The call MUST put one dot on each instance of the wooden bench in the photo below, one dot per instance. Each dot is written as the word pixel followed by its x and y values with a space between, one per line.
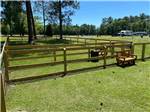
pixel 125 58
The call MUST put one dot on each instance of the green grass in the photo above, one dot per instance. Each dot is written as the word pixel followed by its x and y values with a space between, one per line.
pixel 113 89
pixel 109 90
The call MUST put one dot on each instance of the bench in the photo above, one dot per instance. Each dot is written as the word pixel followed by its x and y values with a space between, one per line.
pixel 125 58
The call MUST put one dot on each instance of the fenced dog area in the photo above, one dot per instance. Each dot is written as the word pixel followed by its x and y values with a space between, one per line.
pixel 26 63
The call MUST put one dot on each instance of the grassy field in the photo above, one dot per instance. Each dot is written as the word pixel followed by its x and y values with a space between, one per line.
pixel 109 90
pixel 113 89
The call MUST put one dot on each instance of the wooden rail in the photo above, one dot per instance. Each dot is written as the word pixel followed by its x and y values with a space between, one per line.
pixel 3 77
pixel 65 54
pixel 95 39
pixel 64 49
pixel 143 45
pixel 8 51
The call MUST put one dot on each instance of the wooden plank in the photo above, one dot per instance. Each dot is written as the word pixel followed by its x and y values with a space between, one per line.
pixel 143 51
pixel 141 43
pixel 85 42
pixel 36 77
pixel 6 64
pixel 95 42
pixel 87 59
pixel 104 64
pixel 2 102
pixel 65 62
pixel 36 57
pixel 4 80
pixel 34 65
pixel 54 54
pixel 47 46
pixel 97 47
pixel 54 74
pixel 103 39
pixel 77 40
pixel 132 48
pixel 112 50
pixel 28 58
pixel 51 46
pixel 89 52
pixel 147 57
pixel 53 63
pixel 31 51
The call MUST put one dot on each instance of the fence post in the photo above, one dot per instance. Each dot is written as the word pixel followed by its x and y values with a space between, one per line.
pixel 65 62
pixel 132 48
pixel 54 53
pixel 3 106
pixel 85 41
pixel 95 42
pixel 6 64
pixel 7 41
pixel 143 52
pixel 77 40
pixel 104 57
pixel 88 54
pixel 122 47
pixel 112 49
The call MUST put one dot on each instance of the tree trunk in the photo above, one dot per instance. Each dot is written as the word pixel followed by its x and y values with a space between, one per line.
pixel 34 31
pixel 10 27
pixel 43 17
pixel 60 21
pixel 33 25
pixel 29 21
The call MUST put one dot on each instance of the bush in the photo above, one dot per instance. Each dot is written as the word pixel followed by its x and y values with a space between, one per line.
pixel 48 31
pixel 4 29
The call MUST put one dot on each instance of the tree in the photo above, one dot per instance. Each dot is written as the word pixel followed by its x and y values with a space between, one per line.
pixel 42 7
pixel 61 11
pixel 10 14
pixel 135 23
pixel 30 22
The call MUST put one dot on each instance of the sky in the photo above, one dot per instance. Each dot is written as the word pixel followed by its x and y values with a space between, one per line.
pixel 92 12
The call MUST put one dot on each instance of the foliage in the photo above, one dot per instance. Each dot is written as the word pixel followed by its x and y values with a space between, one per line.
pixel 11 15
pixel 60 11
pixel 48 31
pixel 42 7
pixel 38 25
pixel 14 19
pixel 5 29
pixel 86 29
pixel 112 26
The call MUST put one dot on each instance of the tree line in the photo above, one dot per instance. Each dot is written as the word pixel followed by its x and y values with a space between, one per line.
pixel 112 26
pixel 109 26
pixel 54 18
pixel 84 29
pixel 17 16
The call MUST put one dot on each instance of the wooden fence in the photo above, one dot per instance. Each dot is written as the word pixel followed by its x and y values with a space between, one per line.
pixel 12 50
pixel 92 40
pixel 107 47
pixel 145 46
pixel 3 77
pixel 26 49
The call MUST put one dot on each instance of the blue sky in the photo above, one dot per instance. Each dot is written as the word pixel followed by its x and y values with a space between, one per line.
pixel 92 12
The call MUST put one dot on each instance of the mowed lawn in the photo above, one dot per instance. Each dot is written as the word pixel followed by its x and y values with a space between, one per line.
pixel 113 89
